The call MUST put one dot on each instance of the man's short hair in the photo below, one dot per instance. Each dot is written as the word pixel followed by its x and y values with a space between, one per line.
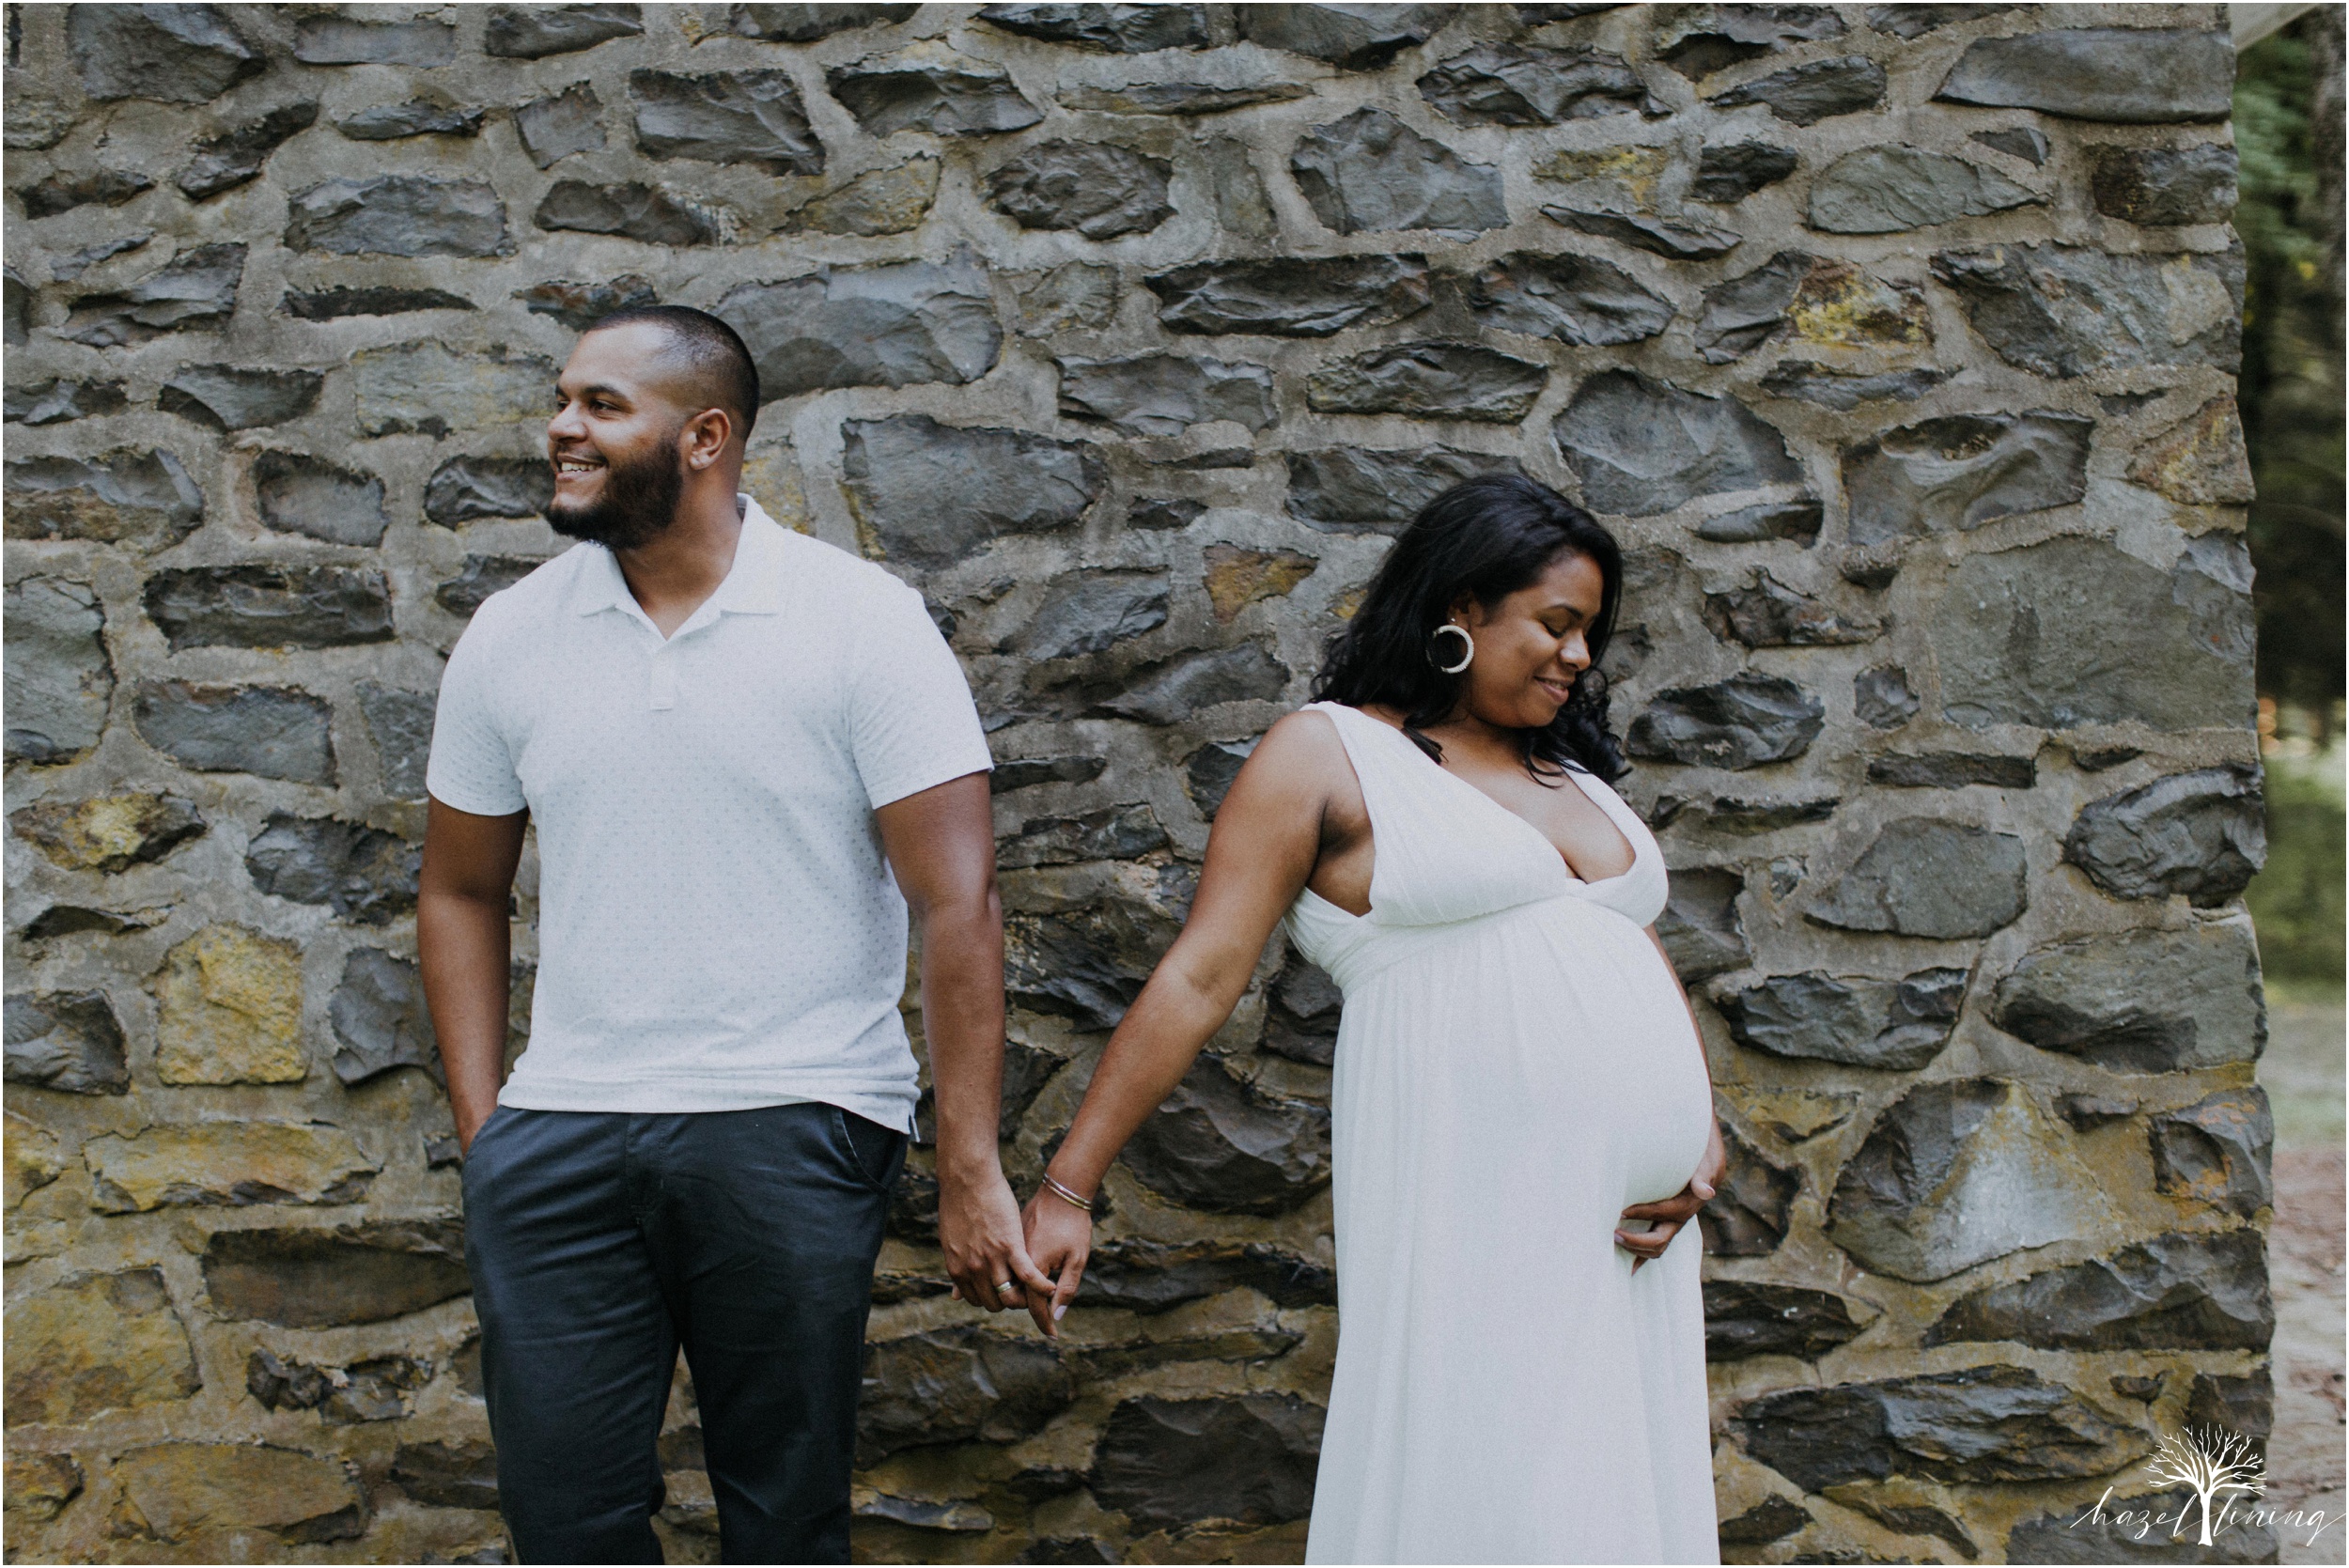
pixel 721 367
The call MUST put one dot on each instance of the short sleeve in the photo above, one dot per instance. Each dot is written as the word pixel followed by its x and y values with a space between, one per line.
pixel 473 765
pixel 911 724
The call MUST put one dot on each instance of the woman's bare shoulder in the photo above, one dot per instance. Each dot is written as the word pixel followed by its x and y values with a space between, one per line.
pixel 1301 756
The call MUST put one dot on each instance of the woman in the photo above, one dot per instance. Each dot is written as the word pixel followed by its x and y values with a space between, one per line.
pixel 1522 1117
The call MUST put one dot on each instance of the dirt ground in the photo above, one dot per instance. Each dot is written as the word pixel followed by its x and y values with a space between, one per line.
pixel 2307 1460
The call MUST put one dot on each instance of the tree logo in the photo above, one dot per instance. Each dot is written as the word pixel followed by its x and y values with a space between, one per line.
pixel 2206 1470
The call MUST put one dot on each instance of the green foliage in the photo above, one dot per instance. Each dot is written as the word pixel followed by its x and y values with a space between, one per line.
pixel 2296 901
pixel 2292 389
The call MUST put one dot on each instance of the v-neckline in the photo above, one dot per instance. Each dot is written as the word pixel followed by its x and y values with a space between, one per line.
pixel 1546 842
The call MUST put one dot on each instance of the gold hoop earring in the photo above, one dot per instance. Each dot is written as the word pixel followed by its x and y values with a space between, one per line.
pixel 1467 647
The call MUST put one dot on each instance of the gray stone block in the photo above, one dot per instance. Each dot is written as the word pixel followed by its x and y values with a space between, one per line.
pixel 1767 613
pixel 1107 29
pixel 1744 722
pixel 304 495
pixel 196 291
pixel 1291 297
pixel 1750 1208
pixel 234 156
pixel 418 117
pixel 379 1019
pixel 1638 445
pixel 1895 1026
pixel 2141 1002
pixel 631 209
pixel 229 399
pixel 1177 689
pixel 2111 639
pixel 554 127
pixel 2165 187
pixel 2131 75
pixel 462 489
pixel 1664 236
pixel 1955 1173
pixel 271 732
pixel 68 1042
pixel 400 215
pixel 362 874
pixel 1744 1318
pixel 1371 171
pixel 1962 471
pixel 1926 877
pixel 1223 1146
pixel 1250 1458
pixel 956 1383
pixel 1352 37
pixel 2183 1291
pixel 262 606
pixel 1164 394
pixel 1974 1425
pixel 400 725
pixel 806 24
pixel 1699 926
pixel 311 1278
pixel 1578 300
pixel 59 678
pixel 58 402
pixel 1430 380
pixel 170 54
pixel 1735 172
pixel 1099 190
pixel 2064 310
pixel 333 304
pixel 534 32
pixel 1697 40
pixel 891 325
pixel 1089 611
pixel 736 117
pixel 947 95
pixel 1816 383
pixel 1812 91
pixel 1891 189
pixel 144 498
pixel 581 305
pixel 1507 84
pixel 482 576
pixel 65 191
pixel 928 493
pixel 2217 1151
pixel 2203 834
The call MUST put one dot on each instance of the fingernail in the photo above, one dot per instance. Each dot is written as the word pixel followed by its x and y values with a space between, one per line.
pixel 1702 1191
pixel 1060 1311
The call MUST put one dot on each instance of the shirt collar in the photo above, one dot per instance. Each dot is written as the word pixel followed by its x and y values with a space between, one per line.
pixel 752 586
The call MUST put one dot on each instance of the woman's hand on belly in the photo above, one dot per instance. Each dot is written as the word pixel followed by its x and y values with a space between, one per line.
pixel 1669 1214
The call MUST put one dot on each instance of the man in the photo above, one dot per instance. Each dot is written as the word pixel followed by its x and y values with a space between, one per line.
pixel 747 754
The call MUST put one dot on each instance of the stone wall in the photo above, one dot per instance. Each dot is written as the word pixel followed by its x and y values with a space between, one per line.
pixel 1896 341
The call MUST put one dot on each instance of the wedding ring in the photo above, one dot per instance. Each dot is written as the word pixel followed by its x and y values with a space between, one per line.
pixel 1007 1288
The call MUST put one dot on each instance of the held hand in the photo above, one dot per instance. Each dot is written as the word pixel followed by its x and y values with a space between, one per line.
pixel 1059 1238
pixel 978 1228
pixel 1671 1214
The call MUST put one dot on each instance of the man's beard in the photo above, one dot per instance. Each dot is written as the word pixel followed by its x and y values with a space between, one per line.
pixel 638 504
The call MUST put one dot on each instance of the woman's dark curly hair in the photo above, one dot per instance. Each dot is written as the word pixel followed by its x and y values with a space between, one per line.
pixel 1488 538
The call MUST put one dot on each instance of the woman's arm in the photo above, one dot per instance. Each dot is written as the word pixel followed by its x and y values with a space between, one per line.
pixel 1267 840
pixel 1671 1214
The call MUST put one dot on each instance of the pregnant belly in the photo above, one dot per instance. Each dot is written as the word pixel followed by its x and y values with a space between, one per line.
pixel 1547 1045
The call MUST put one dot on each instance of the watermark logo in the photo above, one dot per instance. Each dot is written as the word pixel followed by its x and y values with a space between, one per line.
pixel 2215 1471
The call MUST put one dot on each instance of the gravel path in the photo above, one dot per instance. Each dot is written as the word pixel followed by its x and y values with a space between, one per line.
pixel 2308 1464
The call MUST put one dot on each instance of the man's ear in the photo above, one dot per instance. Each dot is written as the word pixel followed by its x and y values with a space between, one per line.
pixel 705 437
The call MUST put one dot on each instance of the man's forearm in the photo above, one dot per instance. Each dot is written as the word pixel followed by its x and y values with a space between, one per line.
pixel 465 951
pixel 962 1013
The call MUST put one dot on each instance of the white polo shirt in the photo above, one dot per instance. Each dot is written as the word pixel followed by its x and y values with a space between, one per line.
pixel 717 926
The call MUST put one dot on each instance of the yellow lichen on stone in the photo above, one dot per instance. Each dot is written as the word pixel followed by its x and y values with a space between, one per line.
pixel 105 1341
pixel 1238 578
pixel 39 1485
pixel 879 201
pixel 770 477
pixel 2199 462
pixel 32 1159
pixel 1839 306
pixel 1634 169
pixel 226 1163
pixel 108 833
pixel 230 1010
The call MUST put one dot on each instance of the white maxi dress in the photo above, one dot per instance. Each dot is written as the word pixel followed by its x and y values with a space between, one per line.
pixel 1513 1067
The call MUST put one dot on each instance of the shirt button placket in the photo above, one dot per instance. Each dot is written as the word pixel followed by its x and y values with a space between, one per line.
pixel 663 686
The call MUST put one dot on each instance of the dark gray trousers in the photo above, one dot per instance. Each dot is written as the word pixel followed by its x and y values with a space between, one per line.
pixel 600 1243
